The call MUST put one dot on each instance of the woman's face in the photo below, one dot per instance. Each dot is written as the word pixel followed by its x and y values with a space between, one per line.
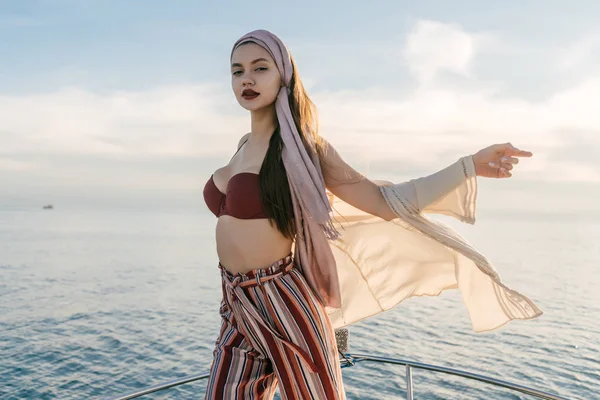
pixel 254 71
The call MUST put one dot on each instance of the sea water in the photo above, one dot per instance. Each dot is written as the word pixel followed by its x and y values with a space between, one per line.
pixel 98 302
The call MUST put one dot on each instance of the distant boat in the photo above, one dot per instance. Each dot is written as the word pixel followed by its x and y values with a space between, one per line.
pixel 48 207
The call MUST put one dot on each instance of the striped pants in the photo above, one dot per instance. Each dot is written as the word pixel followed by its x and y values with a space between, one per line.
pixel 273 330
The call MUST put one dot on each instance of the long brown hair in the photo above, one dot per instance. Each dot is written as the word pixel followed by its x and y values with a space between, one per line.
pixel 274 186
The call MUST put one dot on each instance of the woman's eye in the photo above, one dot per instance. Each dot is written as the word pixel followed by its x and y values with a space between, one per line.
pixel 257 69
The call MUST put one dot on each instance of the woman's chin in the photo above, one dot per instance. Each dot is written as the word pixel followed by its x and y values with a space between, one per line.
pixel 252 106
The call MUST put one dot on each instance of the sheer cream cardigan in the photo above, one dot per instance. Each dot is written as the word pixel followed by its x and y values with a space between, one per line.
pixel 380 263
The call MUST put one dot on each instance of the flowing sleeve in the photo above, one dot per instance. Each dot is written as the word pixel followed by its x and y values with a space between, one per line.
pixel 450 191
pixel 381 262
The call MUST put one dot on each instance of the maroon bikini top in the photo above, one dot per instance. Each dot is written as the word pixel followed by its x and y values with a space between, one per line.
pixel 241 198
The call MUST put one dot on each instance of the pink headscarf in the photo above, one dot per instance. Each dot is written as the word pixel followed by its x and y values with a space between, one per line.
pixel 312 210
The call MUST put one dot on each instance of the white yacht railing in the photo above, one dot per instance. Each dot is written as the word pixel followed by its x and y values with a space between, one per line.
pixel 349 360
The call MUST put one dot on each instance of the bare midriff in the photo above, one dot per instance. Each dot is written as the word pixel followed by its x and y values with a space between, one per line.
pixel 247 244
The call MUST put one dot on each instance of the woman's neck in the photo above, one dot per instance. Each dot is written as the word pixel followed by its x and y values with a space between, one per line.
pixel 264 122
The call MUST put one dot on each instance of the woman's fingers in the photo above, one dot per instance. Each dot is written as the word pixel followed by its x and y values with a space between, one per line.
pixel 505 163
pixel 515 151
pixel 504 157
pixel 511 160
pixel 504 172
pixel 523 153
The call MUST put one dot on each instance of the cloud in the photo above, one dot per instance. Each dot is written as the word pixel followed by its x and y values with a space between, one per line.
pixel 172 120
pixel 433 47
pixel 7 164
pixel 432 124
pixel 579 52
pixel 433 120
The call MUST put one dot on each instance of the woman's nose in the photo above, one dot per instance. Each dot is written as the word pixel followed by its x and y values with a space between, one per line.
pixel 247 81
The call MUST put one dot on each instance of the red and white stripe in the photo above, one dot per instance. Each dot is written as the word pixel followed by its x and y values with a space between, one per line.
pixel 273 331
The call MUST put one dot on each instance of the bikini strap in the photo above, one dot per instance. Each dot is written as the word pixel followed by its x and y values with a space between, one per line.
pixel 238 149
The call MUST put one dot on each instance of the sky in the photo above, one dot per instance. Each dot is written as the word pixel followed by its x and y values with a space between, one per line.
pixel 123 103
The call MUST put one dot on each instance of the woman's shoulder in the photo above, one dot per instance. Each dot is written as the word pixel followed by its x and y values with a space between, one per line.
pixel 243 139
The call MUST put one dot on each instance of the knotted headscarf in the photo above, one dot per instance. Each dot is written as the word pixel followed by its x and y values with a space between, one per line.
pixel 312 210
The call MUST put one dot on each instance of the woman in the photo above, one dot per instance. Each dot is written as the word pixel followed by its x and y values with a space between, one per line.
pixel 279 307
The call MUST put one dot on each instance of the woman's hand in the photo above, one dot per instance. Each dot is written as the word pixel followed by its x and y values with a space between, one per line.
pixel 497 161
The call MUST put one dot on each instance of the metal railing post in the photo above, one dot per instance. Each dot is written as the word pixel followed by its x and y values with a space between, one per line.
pixel 409 383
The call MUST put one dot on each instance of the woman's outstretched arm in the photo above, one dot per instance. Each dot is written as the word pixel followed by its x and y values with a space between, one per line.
pixel 351 186
pixel 431 193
